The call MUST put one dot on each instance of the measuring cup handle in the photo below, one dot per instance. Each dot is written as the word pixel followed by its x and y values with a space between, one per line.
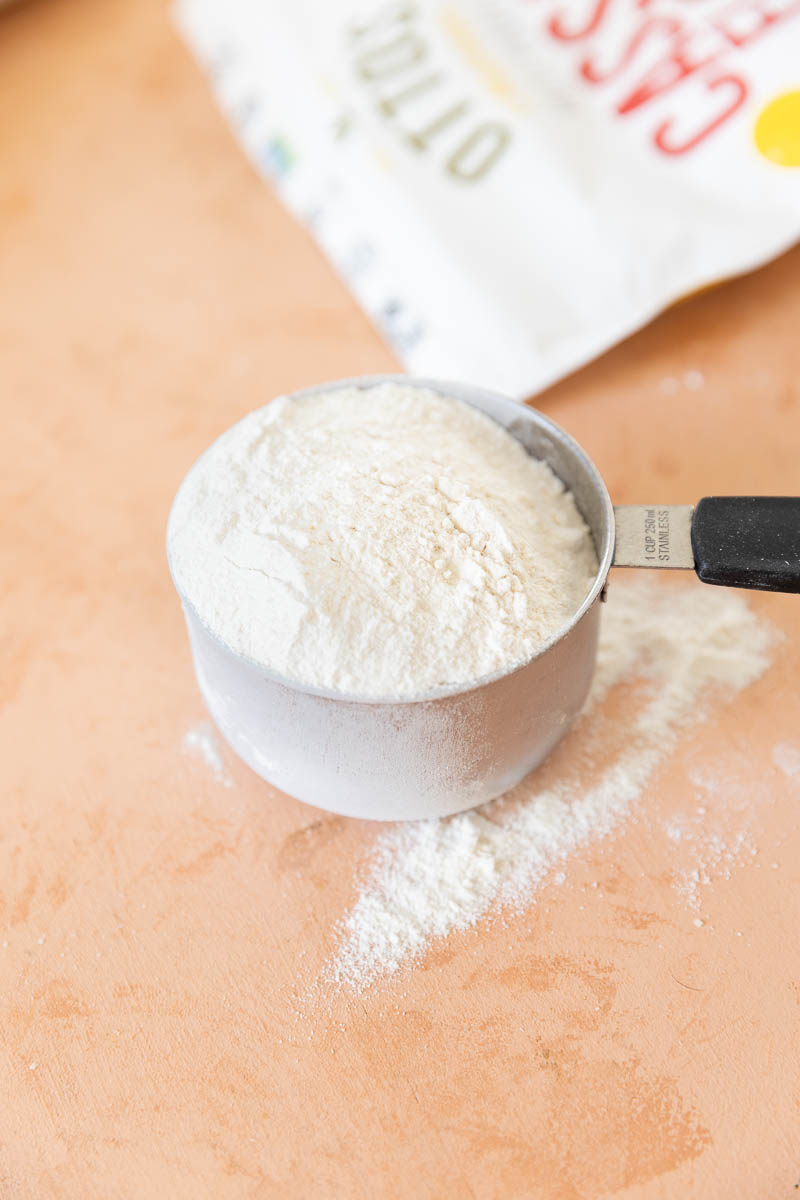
pixel 748 542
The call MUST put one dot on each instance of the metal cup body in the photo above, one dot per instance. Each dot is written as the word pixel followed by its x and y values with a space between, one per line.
pixel 443 752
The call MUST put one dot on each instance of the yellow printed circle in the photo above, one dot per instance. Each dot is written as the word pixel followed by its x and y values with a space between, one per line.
pixel 777 130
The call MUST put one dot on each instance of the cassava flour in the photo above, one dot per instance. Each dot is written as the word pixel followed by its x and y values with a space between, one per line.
pixel 683 645
pixel 381 541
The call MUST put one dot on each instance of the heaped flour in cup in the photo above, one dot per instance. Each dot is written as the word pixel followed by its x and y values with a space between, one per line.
pixel 382 541
pixel 511 186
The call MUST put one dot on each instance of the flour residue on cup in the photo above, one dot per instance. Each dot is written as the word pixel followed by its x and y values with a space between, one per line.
pixel 381 541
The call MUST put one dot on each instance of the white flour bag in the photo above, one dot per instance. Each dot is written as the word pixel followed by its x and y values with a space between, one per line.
pixel 511 186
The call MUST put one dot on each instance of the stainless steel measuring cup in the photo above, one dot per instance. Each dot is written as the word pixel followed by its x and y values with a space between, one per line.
pixel 456 747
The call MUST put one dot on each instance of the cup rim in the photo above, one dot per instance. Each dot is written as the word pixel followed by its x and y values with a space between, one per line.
pixel 466 393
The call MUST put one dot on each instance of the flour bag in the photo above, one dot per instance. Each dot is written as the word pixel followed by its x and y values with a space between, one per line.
pixel 511 186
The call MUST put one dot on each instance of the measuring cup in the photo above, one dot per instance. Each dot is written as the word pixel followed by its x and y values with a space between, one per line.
pixel 456 747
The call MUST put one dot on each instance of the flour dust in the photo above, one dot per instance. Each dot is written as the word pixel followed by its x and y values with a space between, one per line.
pixel 666 651
pixel 201 742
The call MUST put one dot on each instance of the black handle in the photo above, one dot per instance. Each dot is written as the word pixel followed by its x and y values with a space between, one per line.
pixel 748 542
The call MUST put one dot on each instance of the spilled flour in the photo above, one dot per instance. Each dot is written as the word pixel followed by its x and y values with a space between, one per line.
pixel 716 836
pixel 712 856
pixel 666 651
pixel 786 757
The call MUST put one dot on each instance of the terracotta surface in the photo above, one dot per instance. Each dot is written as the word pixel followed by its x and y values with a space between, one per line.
pixel 160 929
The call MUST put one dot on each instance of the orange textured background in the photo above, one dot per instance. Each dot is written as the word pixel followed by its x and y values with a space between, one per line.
pixel 159 930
